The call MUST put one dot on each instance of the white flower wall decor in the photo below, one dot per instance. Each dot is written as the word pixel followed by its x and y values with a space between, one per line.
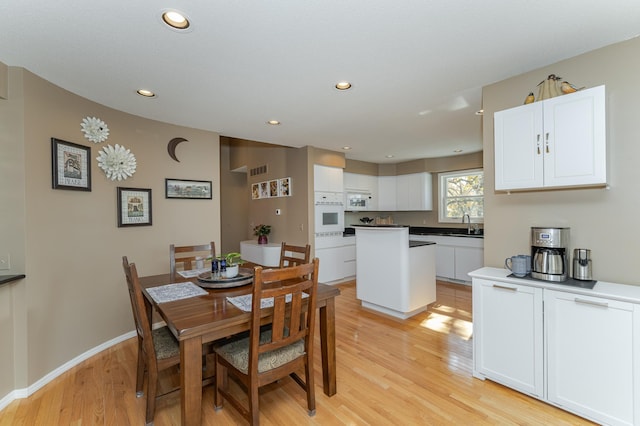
pixel 117 162
pixel 94 129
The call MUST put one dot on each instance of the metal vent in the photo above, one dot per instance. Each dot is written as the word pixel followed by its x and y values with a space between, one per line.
pixel 260 170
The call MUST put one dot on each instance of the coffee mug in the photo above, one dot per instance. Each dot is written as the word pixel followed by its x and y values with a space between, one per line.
pixel 527 259
pixel 517 265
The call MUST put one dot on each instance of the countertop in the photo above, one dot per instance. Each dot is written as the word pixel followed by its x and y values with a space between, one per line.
pixel 413 244
pixel 350 231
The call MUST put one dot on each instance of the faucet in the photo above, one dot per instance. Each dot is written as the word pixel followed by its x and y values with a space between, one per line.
pixel 468 222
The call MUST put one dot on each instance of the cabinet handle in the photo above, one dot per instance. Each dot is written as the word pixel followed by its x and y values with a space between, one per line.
pixel 502 287
pixel 538 142
pixel 546 141
pixel 589 302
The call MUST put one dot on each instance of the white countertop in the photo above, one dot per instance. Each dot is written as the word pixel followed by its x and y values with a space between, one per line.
pixel 622 292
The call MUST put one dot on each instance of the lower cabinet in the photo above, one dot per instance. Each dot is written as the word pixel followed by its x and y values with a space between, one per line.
pixel 590 355
pixel 338 261
pixel 576 351
pixel 455 256
pixel 507 321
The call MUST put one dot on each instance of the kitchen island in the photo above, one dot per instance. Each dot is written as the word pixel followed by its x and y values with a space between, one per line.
pixel 394 275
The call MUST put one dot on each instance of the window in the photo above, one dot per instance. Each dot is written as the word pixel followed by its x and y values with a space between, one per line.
pixel 461 193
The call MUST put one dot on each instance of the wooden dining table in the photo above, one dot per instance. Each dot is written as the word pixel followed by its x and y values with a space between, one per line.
pixel 201 319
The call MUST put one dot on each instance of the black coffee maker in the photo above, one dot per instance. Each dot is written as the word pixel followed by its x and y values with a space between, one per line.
pixel 549 247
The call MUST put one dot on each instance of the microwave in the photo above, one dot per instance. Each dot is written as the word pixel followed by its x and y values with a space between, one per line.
pixel 356 201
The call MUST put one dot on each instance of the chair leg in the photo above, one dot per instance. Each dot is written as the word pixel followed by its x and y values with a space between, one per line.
pixel 254 409
pixel 221 384
pixel 310 388
pixel 140 371
pixel 152 389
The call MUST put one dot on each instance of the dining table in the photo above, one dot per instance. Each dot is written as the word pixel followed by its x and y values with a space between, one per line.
pixel 197 320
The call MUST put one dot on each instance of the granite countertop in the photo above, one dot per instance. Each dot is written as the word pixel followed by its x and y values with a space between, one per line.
pixel 413 244
pixel 447 232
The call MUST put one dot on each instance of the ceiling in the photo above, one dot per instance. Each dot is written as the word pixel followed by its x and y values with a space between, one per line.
pixel 417 66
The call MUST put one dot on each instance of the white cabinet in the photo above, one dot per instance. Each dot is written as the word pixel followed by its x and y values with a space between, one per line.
pixel 349 257
pixel 386 193
pixel 590 341
pixel 558 142
pixel 578 349
pixel 327 179
pixel 337 258
pixel 456 256
pixel 508 334
pixel 411 192
pixel 362 184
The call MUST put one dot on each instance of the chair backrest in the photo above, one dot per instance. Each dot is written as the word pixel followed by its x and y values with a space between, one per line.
pixel 183 258
pixel 293 315
pixel 294 255
pixel 141 313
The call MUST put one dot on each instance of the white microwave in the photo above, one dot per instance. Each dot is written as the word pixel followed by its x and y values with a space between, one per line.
pixel 356 201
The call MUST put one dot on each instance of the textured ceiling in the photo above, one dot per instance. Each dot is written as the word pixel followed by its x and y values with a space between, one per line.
pixel 417 67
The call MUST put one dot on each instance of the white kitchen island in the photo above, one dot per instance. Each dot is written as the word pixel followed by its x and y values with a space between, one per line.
pixel 394 276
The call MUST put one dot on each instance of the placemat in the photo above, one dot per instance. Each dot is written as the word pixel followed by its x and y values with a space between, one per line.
pixel 244 302
pixel 191 273
pixel 177 291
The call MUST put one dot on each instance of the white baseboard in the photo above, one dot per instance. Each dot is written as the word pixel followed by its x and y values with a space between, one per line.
pixel 26 392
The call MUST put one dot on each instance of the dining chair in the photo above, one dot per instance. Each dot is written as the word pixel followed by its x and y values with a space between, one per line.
pixel 184 257
pixel 158 349
pixel 272 353
pixel 291 255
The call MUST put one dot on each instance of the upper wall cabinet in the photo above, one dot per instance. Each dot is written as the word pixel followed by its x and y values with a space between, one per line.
pixel 558 142
pixel 410 192
pixel 327 179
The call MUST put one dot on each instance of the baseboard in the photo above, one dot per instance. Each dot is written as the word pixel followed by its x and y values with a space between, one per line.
pixel 26 392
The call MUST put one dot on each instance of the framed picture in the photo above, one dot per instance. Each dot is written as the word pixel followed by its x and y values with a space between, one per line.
pixel 70 165
pixel 255 191
pixel 273 188
pixel 191 189
pixel 264 189
pixel 134 207
pixel 284 187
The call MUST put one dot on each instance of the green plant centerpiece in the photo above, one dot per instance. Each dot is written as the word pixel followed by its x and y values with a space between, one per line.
pixel 262 231
pixel 233 261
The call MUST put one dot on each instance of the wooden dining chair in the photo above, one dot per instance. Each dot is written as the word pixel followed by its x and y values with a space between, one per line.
pixel 184 257
pixel 279 350
pixel 158 349
pixel 291 255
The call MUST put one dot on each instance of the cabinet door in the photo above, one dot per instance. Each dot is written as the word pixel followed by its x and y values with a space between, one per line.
pixel 329 179
pixel 507 328
pixel 413 192
pixel 518 147
pixel 445 261
pixel 575 139
pixel 387 193
pixel 331 264
pixel 468 259
pixel 590 356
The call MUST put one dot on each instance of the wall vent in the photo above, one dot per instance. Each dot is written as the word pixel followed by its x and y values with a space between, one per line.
pixel 260 170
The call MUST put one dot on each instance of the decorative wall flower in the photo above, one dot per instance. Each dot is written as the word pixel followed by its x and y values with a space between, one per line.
pixel 95 129
pixel 117 163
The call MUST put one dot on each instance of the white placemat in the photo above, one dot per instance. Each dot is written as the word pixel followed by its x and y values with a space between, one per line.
pixel 192 273
pixel 177 291
pixel 244 302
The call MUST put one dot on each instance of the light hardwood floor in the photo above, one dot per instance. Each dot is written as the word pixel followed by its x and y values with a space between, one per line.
pixel 390 372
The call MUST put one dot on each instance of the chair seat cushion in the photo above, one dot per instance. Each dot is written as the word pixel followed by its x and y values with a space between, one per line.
pixel 165 344
pixel 237 353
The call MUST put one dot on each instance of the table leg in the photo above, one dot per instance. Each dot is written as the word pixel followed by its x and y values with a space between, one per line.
pixel 328 347
pixel 191 380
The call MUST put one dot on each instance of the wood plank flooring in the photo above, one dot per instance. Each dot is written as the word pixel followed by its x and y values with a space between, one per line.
pixel 390 372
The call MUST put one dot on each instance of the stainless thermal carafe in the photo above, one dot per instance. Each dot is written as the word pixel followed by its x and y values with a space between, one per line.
pixel 582 264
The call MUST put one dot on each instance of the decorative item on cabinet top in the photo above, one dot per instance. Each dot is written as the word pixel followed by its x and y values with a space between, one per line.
pixel 551 87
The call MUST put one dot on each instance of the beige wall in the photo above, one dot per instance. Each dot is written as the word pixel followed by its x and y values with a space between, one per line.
pixel 67 242
pixel 603 220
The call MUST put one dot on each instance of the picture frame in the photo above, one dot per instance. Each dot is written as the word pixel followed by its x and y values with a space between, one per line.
pixel 284 187
pixel 188 189
pixel 134 207
pixel 70 166
pixel 273 188
pixel 255 191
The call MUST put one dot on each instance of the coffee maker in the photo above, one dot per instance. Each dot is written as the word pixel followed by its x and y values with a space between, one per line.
pixel 549 247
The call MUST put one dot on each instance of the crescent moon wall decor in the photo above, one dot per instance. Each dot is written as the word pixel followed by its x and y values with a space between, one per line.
pixel 171 147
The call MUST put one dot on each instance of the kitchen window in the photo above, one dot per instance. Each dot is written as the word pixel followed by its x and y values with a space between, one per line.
pixel 461 193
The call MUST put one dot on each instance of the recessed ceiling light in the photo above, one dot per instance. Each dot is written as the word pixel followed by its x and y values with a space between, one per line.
pixel 343 85
pixel 146 93
pixel 273 122
pixel 480 112
pixel 457 150
pixel 346 148
pixel 389 156
pixel 176 20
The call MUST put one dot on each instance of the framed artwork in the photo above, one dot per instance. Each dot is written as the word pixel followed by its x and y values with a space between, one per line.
pixel 70 165
pixel 264 189
pixel 134 207
pixel 255 191
pixel 284 187
pixel 273 188
pixel 190 189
